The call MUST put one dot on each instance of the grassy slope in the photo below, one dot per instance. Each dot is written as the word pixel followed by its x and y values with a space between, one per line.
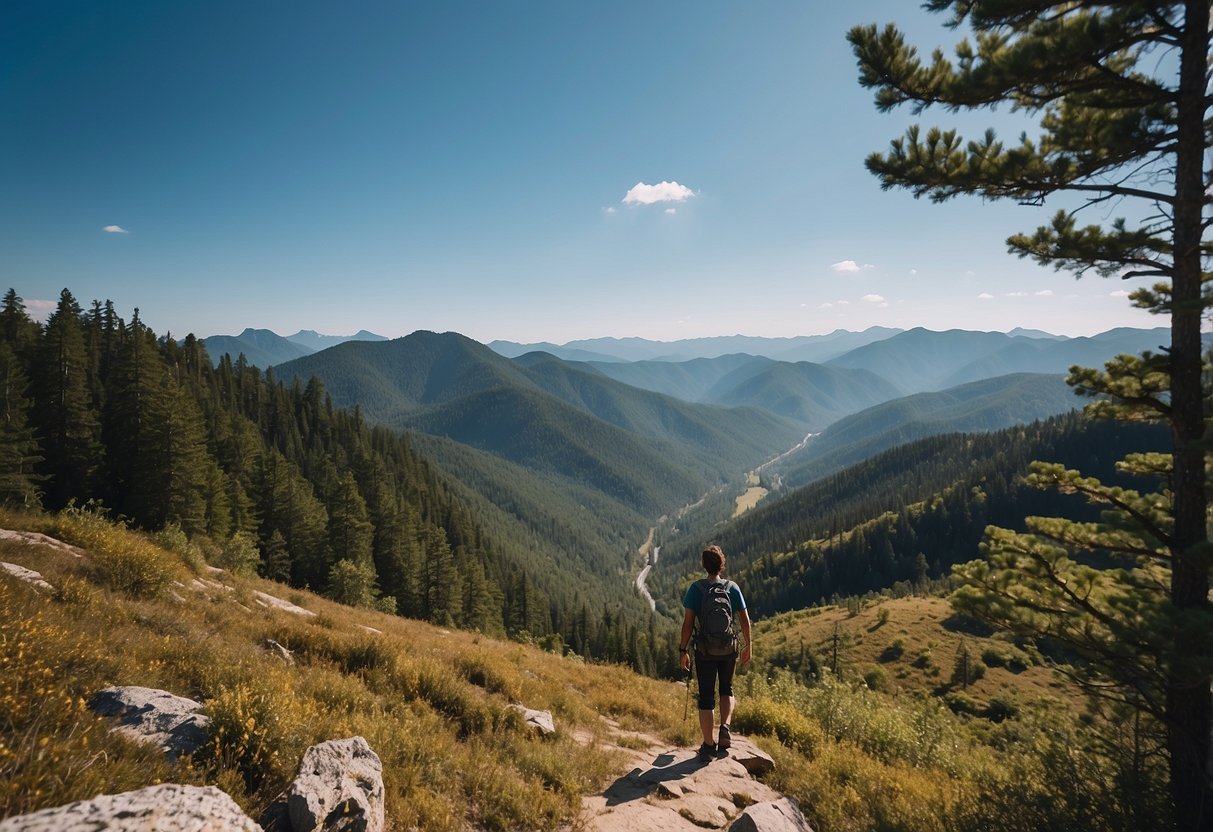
pixel 432 703
pixel 985 405
pixel 913 650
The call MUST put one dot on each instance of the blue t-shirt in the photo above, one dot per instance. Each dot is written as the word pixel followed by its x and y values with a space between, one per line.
pixel 694 597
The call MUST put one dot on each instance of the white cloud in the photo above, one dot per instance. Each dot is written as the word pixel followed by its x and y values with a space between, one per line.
pixel 1045 293
pixel 826 306
pixel 872 298
pixel 985 296
pixel 642 194
pixel 850 266
pixel 115 229
pixel 40 310
pixel 609 209
pixel 1017 294
pixel 970 273
pixel 913 272
pixel 1120 293
pixel 671 210
pixel 844 303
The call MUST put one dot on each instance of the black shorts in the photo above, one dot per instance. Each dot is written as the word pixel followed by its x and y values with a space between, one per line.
pixel 709 670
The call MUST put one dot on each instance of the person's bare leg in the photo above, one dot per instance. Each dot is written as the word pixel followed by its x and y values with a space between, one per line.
pixel 705 725
pixel 727 703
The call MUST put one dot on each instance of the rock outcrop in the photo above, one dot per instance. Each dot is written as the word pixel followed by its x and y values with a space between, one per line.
pixel 27 575
pixel 781 815
pixel 165 808
pixel 339 787
pixel 540 722
pixel 672 790
pixel 173 723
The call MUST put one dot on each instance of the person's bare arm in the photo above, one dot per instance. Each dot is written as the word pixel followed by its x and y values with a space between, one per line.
pixel 744 618
pixel 688 624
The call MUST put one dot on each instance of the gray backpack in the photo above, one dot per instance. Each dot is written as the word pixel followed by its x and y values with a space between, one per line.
pixel 716 635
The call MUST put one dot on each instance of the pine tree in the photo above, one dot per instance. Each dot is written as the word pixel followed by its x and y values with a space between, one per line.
pixel 350 531
pixel 1114 128
pixel 19 453
pixel 64 410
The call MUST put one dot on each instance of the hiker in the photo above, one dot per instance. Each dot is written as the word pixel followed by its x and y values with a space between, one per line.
pixel 711 603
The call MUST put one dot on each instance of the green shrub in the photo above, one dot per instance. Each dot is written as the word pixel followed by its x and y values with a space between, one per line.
pixel 875 679
pixel 780 720
pixel 238 554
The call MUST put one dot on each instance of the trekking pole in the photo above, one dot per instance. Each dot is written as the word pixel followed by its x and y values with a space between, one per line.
pixel 686 706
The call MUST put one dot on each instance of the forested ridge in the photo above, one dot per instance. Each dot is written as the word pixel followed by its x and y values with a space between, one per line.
pixel 98 411
pixel 907 514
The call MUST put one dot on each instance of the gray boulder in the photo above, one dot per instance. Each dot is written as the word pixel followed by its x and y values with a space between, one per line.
pixel 165 808
pixel 540 722
pixel 156 717
pixel 339 787
pixel 27 575
pixel 756 761
pixel 277 649
pixel 781 815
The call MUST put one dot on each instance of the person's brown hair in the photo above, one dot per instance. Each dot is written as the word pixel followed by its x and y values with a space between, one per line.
pixel 713 559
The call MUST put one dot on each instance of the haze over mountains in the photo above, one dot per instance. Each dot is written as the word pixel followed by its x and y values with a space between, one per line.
pixel 634 428
pixel 265 348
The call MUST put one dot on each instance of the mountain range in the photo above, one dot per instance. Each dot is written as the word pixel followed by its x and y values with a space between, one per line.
pixel 589 441
pixel 265 348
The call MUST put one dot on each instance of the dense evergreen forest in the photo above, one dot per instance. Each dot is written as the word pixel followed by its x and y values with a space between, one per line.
pixel 906 515
pixel 99 412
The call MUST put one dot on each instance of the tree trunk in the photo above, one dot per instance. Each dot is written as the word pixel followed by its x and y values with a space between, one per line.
pixel 1189 704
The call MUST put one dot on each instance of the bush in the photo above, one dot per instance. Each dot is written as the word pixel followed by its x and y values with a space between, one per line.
pixel 238 554
pixel 875 679
pixel 894 651
pixel 779 720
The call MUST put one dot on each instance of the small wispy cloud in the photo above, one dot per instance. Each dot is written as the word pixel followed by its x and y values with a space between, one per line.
pixel 826 306
pixel 985 296
pixel 115 229
pixel 1044 293
pixel 913 272
pixel 1017 294
pixel 40 310
pixel 844 303
pixel 610 209
pixel 643 194
pixel 1119 293
pixel 850 266
pixel 970 273
pixel 873 298
pixel 671 210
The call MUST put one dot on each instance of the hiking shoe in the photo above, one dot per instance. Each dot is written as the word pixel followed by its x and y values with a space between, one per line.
pixel 726 738
pixel 706 752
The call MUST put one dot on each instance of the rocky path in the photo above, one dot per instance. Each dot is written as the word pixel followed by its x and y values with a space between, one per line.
pixel 667 789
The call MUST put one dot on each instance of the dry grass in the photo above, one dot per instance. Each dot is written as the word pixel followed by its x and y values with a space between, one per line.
pixel 910 646
pixel 431 702
pixel 434 703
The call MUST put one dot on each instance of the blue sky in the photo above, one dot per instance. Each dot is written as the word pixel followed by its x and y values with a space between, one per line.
pixel 451 165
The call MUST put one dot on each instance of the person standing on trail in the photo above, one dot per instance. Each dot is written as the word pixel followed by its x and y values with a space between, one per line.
pixel 709 608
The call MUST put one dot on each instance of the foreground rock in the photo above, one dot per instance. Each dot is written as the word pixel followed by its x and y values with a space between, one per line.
pixel 339 787
pixel 540 722
pixel 27 575
pixel 155 717
pixel 164 808
pixel 782 815
pixel 39 539
pixel 672 790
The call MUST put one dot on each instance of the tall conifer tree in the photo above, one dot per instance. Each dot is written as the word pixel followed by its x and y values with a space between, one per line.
pixel 64 410
pixel 1122 91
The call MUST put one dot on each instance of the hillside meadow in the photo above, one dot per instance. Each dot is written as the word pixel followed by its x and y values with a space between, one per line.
pixel 433 703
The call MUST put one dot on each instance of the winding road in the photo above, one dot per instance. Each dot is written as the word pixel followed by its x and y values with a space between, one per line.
pixel 650 558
